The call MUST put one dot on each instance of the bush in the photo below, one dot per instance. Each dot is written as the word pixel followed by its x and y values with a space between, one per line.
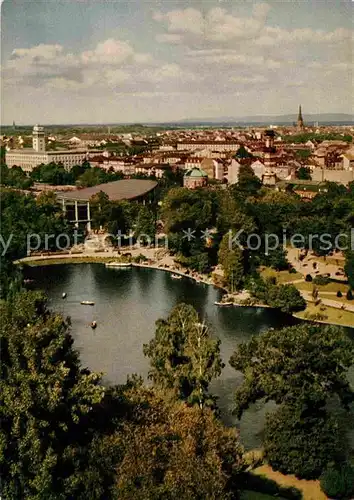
pixel 308 277
pixel 304 445
pixel 287 298
pixel 349 295
pixel 316 316
pixel 292 270
pixel 140 258
pixel 339 294
pixel 338 482
pixel 321 280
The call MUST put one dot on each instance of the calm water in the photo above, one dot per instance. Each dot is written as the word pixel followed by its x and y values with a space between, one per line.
pixel 127 304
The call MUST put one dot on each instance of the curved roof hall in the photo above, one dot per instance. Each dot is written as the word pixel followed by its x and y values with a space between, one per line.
pixel 126 189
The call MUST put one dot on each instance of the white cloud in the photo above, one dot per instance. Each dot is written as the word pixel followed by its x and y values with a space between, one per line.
pixel 109 52
pixel 172 72
pixel 223 27
pixel 182 21
pixel 275 35
pixel 116 76
pixel 41 51
pixel 249 79
pixel 111 62
pixel 260 10
pixel 218 26
pixel 172 38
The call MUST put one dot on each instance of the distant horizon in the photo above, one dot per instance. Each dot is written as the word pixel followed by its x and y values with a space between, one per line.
pixel 347 117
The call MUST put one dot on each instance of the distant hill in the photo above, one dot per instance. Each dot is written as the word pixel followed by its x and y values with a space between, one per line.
pixel 321 118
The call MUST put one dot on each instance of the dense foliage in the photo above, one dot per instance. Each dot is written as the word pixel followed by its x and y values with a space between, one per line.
pixel 173 451
pixel 29 223
pixel 299 368
pixel 51 409
pixel 64 435
pixel 183 357
pixel 338 482
pixel 14 177
pixel 287 298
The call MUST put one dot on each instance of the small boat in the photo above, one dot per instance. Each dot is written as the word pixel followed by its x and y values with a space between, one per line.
pixel 118 264
pixel 176 276
pixel 87 303
pixel 93 325
pixel 224 303
pixel 63 295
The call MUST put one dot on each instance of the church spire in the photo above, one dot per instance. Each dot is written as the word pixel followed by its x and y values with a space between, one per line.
pixel 300 121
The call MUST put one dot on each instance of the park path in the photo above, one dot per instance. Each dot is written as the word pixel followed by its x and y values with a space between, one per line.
pixel 327 302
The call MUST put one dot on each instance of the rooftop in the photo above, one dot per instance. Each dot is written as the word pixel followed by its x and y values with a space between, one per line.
pixel 30 151
pixel 127 189
pixel 195 172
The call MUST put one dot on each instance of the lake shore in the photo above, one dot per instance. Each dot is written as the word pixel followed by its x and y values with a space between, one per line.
pixel 166 264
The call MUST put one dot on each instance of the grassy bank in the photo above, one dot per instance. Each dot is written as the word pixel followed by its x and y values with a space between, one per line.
pixel 334 316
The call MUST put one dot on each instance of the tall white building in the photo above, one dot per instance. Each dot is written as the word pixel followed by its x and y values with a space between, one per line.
pixel 28 159
pixel 38 139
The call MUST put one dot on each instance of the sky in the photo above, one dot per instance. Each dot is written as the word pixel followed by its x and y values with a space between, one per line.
pixel 117 61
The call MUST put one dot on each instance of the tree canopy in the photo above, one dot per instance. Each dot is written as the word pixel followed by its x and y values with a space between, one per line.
pixel 183 356
pixel 300 368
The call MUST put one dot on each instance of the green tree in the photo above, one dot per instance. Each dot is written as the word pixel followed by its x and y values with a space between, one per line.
pixel 14 177
pixel 101 209
pixel 231 259
pixel 92 177
pixel 277 259
pixel 287 298
pixel 187 214
pixel 248 182
pixel 183 357
pixel 302 443
pixel 231 215
pixel 173 451
pixel 51 173
pixel 304 173
pixel 145 228
pixel 78 170
pixel 51 408
pixel 299 368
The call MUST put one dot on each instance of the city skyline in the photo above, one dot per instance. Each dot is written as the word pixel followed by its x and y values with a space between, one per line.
pixel 95 62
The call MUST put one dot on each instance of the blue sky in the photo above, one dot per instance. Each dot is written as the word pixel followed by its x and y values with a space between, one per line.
pixel 100 61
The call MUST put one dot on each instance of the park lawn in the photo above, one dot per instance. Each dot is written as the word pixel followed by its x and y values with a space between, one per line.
pixel 310 489
pixel 331 287
pixel 334 316
pixel 281 276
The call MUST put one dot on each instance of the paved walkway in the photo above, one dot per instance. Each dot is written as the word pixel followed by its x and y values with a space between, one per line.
pixel 327 302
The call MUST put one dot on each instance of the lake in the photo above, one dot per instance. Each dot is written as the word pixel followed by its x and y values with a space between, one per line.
pixel 128 301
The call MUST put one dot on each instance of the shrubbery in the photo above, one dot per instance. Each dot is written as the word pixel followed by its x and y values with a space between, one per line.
pixel 287 298
pixel 308 277
pixel 321 280
pixel 295 443
pixel 338 482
